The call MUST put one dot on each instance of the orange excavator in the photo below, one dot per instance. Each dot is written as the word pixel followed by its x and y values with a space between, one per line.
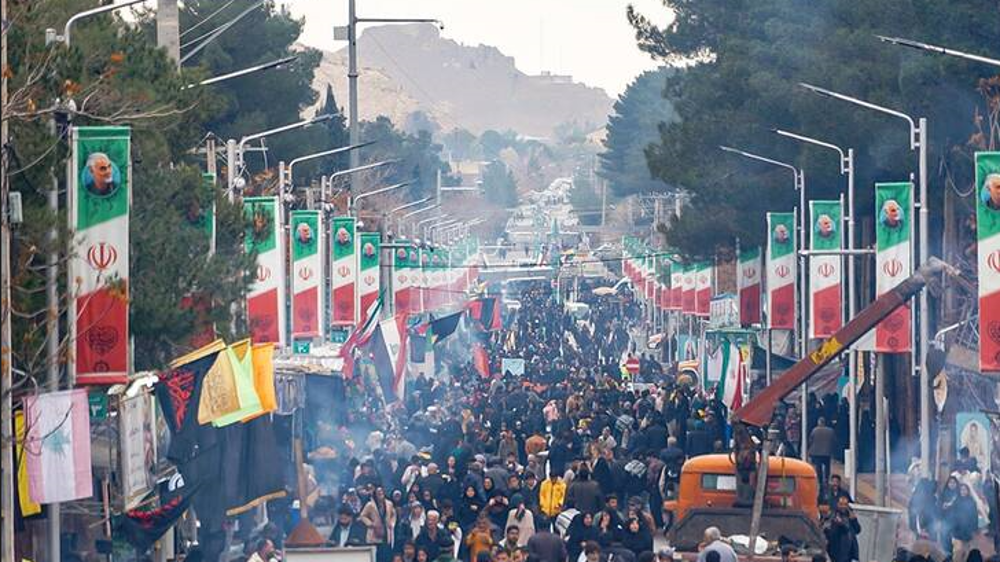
pixel 724 491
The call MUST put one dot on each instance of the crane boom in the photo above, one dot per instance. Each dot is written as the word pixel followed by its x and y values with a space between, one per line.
pixel 759 411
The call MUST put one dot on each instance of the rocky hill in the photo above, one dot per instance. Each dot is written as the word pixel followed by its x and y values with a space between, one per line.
pixel 406 68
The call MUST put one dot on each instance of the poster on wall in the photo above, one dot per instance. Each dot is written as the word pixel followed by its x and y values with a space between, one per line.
pixel 972 431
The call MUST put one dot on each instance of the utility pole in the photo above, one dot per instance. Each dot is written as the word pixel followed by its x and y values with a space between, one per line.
pixel 6 368
pixel 168 29
pixel 352 81
pixel 52 342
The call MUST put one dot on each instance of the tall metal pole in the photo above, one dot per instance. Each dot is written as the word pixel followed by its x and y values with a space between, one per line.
pixel 52 343
pixel 232 169
pixel 6 367
pixel 918 140
pixel 852 356
pixel 880 441
pixel 924 319
pixel 803 312
pixel 352 81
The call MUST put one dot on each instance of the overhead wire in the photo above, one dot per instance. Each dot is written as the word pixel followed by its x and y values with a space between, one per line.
pixel 207 18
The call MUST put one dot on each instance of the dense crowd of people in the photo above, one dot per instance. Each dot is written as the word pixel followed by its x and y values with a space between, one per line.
pixel 565 463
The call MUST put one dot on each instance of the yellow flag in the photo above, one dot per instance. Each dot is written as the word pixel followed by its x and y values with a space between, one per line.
pixel 28 507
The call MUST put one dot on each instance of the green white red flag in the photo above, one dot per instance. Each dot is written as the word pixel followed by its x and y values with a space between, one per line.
pixel 402 279
pixel 369 251
pixel 99 201
pixel 781 271
pixel 308 249
pixel 344 272
pixel 825 279
pixel 266 297
pixel 703 289
pixel 749 286
pixel 676 286
pixel 688 297
pixel 893 231
pixel 988 236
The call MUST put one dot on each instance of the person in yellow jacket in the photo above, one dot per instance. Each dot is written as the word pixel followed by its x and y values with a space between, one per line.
pixel 551 495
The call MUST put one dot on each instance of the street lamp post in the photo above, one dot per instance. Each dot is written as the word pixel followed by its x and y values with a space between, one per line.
pixel 405 207
pixel 234 150
pixel 419 211
pixel 352 65
pixel 287 179
pixel 936 49
pixel 800 185
pixel 418 227
pixel 918 141
pixel 50 34
pixel 846 169
pixel 243 72
pixel 353 200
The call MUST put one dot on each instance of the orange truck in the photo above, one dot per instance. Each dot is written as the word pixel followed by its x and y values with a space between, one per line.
pixel 706 497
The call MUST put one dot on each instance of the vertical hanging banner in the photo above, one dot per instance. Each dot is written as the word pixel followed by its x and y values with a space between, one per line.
pixel 781 271
pixel 687 297
pixel 369 250
pixel 343 271
pixel 988 236
pixel 893 226
pixel 99 201
pixel 825 279
pixel 676 286
pixel 650 274
pixel 307 274
pixel 424 279
pixel 663 282
pixel 703 289
pixel 749 286
pixel 401 279
pixel 266 297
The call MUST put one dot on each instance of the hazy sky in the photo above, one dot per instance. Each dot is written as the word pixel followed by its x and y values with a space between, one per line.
pixel 588 39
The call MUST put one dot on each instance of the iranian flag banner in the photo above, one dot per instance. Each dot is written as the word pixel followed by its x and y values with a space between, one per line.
pixel 676 286
pixel 99 201
pixel 266 297
pixel 703 289
pixel 369 250
pixel 781 271
pixel 825 279
pixel 988 235
pixel 893 226
pixel 663 282
pixel 307 274
pixel 687 298
pixel 344 272
pixel 749 286
pixel 651 270
pixel 401 279
pixel 424 278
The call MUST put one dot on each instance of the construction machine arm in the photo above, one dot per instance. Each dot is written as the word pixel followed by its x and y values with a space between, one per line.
pixel 759 411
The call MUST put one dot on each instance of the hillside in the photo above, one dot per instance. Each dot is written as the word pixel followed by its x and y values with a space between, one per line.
pixel 405 68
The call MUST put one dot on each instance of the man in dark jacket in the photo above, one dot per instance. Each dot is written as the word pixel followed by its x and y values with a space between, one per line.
pixel 433 538
pixel 821 445
pixel 347 531
pixel 584 494
pixel 841 529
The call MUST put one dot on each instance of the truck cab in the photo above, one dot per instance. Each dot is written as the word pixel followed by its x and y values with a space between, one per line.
pixel 706 496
